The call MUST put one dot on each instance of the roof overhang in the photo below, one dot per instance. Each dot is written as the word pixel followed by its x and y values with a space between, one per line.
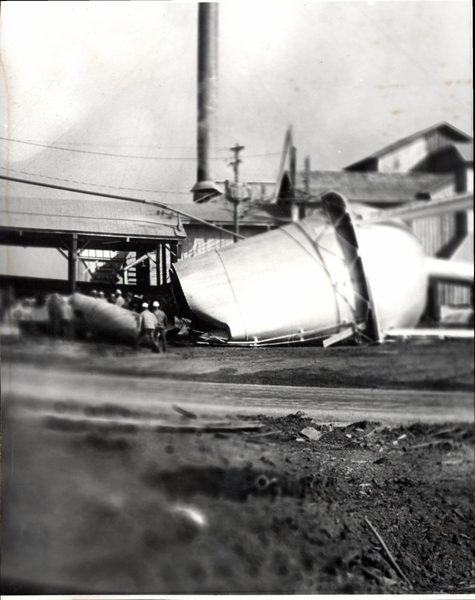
pixel 101 224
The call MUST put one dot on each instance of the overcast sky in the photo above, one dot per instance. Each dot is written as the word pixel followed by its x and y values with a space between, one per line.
pixel 119 78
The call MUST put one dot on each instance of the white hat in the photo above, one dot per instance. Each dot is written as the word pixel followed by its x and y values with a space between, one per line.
pixel 155 303
pixel 118 292
pixel 144 305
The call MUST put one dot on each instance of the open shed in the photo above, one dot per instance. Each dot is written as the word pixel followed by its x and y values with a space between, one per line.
pixel 79 227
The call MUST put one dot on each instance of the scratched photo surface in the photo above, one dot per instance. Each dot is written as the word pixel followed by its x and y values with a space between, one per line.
pixel 236 270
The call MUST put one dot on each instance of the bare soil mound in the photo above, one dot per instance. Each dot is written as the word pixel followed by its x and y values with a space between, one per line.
pixel 97 499
pixel 294 506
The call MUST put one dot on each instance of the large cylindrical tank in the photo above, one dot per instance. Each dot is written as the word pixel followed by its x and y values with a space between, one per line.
pixel 294 283
pixel 395 267
pixel 103 318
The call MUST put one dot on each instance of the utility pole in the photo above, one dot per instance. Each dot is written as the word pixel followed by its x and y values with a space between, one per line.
pixel 235 163
pixel 294 207
pixel 235 195
pixel 307 176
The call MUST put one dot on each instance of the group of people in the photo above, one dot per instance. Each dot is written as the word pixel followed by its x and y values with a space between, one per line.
pixel 152 323
pixel 125 301
pixel 56 314
pixel 60 317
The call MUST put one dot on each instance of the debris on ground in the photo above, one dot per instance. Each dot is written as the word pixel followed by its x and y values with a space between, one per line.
pixel 311 433
pixel 212 511
pixel 106 498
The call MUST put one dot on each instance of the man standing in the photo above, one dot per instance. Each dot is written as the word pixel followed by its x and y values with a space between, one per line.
pixel 67 319
pixel 147 325
pixel 160 332
pixel 119 300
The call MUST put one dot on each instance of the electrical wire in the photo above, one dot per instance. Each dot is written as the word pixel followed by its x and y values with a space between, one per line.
pixel 51 147
pixel 93 152
pixel 112 187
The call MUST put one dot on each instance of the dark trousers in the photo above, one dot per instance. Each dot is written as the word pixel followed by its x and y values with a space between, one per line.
pixel 147 334
pixel 161 338
pixel 67 329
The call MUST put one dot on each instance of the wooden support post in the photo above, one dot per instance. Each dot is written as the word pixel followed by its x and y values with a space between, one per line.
pixel 236 220
pixel 307 175
pixel 433 302
pixel 303 212
pixel 72 263
pixel 142 270
pixel 158 262
pixel 164 264
pixel 174 252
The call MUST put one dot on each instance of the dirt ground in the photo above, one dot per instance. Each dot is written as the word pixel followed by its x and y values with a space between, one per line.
pixel 417 364
pixel 248 504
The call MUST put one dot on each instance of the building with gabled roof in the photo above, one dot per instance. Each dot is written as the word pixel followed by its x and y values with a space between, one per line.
pixel 406 154
pixel 433 163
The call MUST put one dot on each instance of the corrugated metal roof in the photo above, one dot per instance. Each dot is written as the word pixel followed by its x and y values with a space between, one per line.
pixel 424 209
pixel 373 186
pixel 87 216
pixel 451 132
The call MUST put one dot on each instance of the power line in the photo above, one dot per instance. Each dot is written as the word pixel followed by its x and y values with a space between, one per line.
pixel 123 155
pixel 259 155
pixel 111 187
pixel 92 152
pixel 114 144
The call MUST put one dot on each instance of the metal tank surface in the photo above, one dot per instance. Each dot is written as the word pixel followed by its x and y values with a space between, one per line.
pixel 396 271
pixel 103 318
pixel 307 281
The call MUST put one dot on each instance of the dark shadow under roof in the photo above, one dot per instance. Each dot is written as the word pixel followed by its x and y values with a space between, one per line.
pixel 221 212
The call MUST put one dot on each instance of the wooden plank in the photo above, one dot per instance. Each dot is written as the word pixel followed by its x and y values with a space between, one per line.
pixel 338 337
pixel 434 333
pixel 81 424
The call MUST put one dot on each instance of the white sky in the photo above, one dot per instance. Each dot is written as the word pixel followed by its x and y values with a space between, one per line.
pixel 120 78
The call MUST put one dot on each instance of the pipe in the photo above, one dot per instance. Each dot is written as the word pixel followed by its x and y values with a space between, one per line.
pixel 207 84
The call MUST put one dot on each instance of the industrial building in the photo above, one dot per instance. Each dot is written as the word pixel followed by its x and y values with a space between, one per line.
pixel 436 163
pixel 110 241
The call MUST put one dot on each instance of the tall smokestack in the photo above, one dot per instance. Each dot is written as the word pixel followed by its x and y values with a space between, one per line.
pixel 207 97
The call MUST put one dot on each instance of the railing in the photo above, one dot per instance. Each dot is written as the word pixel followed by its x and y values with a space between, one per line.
pixel 203 247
